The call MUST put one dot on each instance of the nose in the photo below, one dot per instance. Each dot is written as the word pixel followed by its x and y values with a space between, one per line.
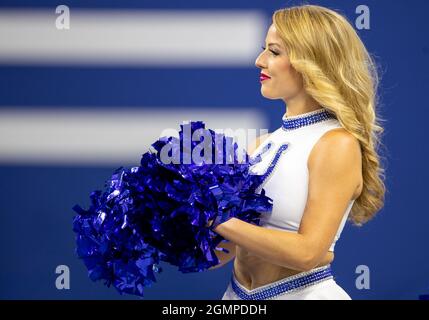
pixel 259 62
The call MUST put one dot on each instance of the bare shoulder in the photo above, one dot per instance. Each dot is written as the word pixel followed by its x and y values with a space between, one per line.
pixel 336 159
pixel 336 144
pixel 253 145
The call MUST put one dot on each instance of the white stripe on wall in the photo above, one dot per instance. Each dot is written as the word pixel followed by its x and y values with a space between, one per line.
pixel 132 37
pixel 103 136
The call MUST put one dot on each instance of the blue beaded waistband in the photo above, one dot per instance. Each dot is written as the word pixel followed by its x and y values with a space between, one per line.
pixel 289 284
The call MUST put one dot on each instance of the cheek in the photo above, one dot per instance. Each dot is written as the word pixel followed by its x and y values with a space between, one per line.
pixel 289 76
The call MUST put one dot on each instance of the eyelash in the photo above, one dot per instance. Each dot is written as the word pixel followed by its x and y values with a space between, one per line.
pixel 275 53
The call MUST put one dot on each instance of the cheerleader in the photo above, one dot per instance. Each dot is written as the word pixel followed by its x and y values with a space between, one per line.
pixel 320 167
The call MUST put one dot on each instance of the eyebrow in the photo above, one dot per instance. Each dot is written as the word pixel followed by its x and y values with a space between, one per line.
pixel 273 44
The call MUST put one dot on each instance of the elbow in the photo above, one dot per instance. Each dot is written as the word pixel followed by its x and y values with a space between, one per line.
pixel 308 265
pixel 308 255
pixel 308 261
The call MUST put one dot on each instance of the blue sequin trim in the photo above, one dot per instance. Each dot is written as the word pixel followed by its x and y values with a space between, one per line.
pixel 306 119
pixel 290 284
pixel 273 163
pixel 258 157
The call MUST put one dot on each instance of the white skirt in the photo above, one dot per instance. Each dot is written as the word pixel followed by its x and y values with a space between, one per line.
pixel 316 284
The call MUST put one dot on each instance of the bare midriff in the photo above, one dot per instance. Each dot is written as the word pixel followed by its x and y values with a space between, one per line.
pixel 252 271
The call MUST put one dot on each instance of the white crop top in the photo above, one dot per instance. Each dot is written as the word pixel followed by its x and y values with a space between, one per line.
pixel 283 161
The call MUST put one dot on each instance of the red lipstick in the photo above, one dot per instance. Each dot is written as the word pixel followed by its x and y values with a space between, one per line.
pixel 263 77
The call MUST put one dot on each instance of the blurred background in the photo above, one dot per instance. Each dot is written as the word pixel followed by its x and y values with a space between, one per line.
pixel 77 103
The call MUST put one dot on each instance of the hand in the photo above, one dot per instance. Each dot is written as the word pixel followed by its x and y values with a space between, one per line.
pixel 214 223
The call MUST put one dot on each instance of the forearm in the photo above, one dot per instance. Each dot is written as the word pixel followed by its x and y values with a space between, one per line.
pixel 287 249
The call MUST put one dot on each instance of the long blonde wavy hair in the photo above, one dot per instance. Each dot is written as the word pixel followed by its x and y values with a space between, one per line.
pixel 340 74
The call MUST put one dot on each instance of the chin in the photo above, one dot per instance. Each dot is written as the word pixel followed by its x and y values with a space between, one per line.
pixel 267 94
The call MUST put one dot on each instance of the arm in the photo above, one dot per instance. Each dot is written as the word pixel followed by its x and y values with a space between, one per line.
pixel 334 172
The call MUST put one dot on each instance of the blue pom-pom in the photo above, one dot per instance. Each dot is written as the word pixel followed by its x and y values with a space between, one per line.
pixel 162 211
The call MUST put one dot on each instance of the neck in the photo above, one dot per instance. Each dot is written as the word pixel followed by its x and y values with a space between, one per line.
pixel 300 104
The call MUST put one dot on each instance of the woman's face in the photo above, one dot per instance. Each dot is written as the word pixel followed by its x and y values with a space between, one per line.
pixel 284 81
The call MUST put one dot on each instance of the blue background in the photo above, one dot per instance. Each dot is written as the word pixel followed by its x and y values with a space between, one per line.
pixel 36 201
